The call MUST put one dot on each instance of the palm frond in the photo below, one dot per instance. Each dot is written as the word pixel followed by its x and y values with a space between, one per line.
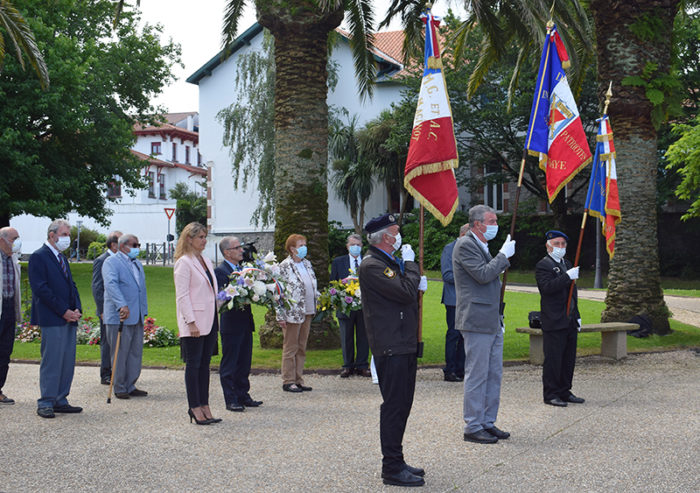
pixel 232 14
pixel 360 15
pixel 22 39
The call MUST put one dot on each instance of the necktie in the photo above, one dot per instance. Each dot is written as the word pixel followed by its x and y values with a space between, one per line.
pixel 356 264
pixel 63 265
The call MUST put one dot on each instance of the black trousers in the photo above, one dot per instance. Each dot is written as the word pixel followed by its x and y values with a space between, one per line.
pixel 559 361
pixel 197 353
pixel 234 369
pixel 7 337
pixel 454 345
pixel 397 382
pixel 352 329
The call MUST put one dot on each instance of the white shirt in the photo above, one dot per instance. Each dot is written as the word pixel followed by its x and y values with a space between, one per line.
pixel 484 245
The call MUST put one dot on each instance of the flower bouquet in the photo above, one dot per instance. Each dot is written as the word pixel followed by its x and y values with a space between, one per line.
pixel 343 295
pixel 257 283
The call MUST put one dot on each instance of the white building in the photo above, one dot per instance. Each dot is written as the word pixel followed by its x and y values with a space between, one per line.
pixel 230 210
pixel 170 153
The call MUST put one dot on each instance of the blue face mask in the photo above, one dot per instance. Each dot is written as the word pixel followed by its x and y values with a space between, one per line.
pixel 491 232
pixel 301 251
pixel 355 250
pixel 134 252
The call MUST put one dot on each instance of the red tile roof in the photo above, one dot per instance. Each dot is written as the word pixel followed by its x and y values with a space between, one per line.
pixel 166 164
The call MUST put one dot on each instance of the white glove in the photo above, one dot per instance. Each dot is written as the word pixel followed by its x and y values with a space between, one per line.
pixel 508 248
pixel 407 253
pixel 572 273
pixel 423 284
pixel 579 324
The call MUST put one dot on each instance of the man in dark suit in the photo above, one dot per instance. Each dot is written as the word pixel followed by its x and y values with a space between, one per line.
pixel 479 318
pixel 98 293
pixel 56 310
pixel 554 276
pixel 352 327
pixel 236 327
pixel 454 343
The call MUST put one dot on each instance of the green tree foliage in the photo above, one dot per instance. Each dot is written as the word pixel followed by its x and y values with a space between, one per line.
pixel 60 148
pixel 684 156
pixel 190 206
pixel 16 33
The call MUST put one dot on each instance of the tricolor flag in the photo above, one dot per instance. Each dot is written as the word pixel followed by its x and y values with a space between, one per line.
pixel 603 199
pixel 432 152
pixel 555 133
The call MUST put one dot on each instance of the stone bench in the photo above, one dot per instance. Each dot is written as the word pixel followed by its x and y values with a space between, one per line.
pixel 613 337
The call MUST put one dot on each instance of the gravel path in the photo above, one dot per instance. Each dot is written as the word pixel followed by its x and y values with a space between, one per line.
pixel 639 430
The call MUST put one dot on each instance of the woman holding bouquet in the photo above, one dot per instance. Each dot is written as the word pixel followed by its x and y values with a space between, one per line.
pixel 195 292
pixel 295 320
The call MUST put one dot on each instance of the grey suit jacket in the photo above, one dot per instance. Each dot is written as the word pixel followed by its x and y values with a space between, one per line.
pixel 98 285
pixel 478 286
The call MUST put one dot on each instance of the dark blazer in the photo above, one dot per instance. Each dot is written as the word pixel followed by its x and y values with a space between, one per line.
pixel 98 284
pixel 389 303
pixel 449 294
pixel 232 320
pixel 52 292
pixel 340 269
pixel 553 284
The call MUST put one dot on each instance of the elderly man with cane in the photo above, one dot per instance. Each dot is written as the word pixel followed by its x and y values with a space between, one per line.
pixel 125 303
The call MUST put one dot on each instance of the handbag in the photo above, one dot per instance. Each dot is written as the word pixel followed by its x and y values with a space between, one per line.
pixel 534 320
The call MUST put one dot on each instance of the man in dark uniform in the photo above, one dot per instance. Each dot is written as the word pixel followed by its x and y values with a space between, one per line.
pixel 389 288
pixel 554 276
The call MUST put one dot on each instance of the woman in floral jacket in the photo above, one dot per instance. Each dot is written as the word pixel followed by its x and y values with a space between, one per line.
pixel 295 321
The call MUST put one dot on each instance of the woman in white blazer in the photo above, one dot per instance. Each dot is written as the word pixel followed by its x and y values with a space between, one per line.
pixel 295 321
pixel 195 292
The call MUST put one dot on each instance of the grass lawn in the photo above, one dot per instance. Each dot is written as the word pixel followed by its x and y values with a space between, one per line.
pixel 161 301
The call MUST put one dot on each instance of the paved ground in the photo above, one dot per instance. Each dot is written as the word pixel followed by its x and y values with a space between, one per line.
pixel 684 308
pixel 639 430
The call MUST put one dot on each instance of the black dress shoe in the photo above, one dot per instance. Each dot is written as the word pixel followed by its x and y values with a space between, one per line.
pixel 481 436
pixel 304 388
pixel 45 412
pixel 416 471
pixel 68 409
pixel 500 434
pixel 291 387
pixel 121 395
pixel 138 393
pixel 249 402
pixel 402 478
pixel 555 402
pixel 345 373
pixel 451 377
pixel 574 399
pixel 105 381
pixel 363 372
pixel 236 407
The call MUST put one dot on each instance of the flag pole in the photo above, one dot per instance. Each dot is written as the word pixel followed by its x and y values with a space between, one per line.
pixel 420 293
pixel 608 96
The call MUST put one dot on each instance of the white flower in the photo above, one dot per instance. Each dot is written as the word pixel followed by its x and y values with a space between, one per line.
pixel 259 288
pixel 255 297
pixel 271 287
pixel 270 257
pixel 231 291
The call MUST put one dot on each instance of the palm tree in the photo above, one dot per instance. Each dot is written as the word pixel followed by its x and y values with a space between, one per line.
pixel 631 37
pixel 15 28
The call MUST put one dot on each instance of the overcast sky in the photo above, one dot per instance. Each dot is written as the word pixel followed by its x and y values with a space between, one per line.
pixel 196 26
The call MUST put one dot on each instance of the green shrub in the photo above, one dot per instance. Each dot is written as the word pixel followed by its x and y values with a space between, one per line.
pixel 95 249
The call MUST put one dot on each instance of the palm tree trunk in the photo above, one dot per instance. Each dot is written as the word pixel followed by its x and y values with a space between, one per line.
pixel 634 286
pixel 301 132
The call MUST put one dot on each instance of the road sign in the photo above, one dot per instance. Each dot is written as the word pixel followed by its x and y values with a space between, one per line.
pixel 169 211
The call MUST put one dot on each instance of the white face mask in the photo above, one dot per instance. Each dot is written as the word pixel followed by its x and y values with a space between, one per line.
pixel 17 246
pixel 62 243
pixel 397 243
pixel 557 253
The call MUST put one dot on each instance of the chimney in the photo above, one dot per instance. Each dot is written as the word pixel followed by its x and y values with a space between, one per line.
pixel 190 123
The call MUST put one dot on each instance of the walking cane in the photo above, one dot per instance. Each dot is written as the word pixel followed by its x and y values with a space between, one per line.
pixel 114 363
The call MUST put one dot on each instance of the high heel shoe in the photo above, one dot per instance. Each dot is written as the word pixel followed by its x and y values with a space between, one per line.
pixel 215 420
pixel 193 417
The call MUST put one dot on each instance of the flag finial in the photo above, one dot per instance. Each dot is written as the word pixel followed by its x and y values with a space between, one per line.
pixel 608 96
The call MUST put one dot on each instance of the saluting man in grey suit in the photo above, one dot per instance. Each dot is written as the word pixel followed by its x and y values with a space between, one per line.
pixel 478 288
pixel 125 300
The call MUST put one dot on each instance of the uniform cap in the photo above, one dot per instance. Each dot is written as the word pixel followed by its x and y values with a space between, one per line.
pixel 553 233
pixel 380 222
